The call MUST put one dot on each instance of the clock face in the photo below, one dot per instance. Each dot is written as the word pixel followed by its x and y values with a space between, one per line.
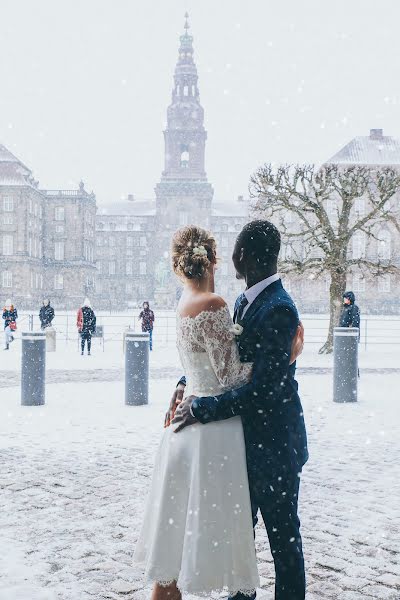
pixel 194 114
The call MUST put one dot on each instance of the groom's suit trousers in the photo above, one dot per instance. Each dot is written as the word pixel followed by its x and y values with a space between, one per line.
pixel 283 528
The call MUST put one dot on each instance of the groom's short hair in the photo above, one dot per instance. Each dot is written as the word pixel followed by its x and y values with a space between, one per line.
pixel 261 240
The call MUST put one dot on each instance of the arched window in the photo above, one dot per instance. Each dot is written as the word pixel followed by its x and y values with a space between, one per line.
pixel 186 90
pixel 184 157
pixel 384 245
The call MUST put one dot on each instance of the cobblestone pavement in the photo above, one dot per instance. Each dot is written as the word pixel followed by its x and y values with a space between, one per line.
pixel 74 476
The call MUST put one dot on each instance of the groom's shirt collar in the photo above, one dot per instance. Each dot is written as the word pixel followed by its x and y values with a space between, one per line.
pixel 255 290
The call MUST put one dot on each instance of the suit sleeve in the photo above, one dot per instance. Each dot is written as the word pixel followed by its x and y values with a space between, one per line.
pixel 270 370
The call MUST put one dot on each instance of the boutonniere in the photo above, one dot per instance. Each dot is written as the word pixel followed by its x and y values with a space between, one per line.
pixel 237 329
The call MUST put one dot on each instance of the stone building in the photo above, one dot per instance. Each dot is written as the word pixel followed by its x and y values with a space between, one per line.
pixel 53 243
pixel 134 237
pixel 46 239
pixel 374 294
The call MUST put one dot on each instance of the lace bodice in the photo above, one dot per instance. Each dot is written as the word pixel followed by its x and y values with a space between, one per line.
pixel 209 353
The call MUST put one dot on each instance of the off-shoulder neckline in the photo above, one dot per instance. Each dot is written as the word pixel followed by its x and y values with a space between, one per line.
pixel 203 312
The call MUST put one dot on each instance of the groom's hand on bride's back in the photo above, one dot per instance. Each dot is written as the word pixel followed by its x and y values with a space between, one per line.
pixel 297 344
pixel 183 415
pixel 176 399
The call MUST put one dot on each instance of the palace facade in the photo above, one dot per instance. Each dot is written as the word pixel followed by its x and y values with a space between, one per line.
pixel 60 244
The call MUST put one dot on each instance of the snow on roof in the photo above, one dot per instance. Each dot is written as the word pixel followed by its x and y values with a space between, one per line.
pixel 231 209
pixel 12 170
pixel 375 149
pixel 132 208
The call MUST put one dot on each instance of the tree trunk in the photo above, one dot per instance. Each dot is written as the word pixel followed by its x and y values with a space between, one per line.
pixel 336 291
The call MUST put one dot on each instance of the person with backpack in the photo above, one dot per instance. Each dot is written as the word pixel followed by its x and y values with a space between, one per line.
pixel 10 316
pixel 86 324
pixel 147 318
pixel 46 315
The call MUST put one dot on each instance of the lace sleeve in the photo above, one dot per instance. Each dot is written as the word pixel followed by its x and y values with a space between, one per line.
pixel 215 334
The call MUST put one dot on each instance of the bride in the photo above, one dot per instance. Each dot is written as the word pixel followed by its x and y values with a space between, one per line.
pixel 197 534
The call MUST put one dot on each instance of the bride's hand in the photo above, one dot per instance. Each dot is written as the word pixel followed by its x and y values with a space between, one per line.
pixel 297 344
pixel 176 399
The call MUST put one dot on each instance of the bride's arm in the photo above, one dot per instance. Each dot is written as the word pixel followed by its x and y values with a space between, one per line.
pixel 216 335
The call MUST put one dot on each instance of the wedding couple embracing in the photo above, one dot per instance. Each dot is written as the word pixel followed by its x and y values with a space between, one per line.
pixel 235 441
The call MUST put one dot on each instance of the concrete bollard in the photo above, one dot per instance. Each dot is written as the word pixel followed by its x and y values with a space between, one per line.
pixel 136 368
pixel 345 364
pixel 33 368
pixel 51 339
pixel 125 333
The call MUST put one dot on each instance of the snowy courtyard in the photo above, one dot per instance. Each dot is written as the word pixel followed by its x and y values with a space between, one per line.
pixel 75 473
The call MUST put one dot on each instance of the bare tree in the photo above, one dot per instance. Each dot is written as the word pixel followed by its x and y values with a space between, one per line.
pixel 329 217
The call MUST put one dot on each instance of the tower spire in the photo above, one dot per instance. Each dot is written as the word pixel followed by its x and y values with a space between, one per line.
pixel 186 26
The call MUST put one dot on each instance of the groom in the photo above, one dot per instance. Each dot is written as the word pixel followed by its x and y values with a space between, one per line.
pixel 269 405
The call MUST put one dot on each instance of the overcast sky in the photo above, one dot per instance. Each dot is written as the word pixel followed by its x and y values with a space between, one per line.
pixel 85 85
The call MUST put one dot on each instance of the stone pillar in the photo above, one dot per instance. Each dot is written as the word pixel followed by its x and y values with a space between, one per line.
pixel 33 368
pixel 136 368
pixel 345 364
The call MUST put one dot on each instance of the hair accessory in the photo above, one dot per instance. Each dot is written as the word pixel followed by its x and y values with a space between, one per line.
pixel 200 251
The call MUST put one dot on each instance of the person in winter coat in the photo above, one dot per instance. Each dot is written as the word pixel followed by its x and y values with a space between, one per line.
pixel 10 316
pixel 46 314
pixel 147 318
pixel 86 324
pixel 350 316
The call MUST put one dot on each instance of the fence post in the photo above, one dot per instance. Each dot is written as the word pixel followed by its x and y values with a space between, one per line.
pixel 136 368
pixel 33 368
pixel 345 364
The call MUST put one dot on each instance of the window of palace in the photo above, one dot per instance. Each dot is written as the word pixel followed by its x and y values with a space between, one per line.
pixel 58 281
pixel 59 213
pixel 8 245
pixel 59 250
pixel 384 283
pixel 8 204
pixel 384 245
pixel 358 283
pixel 359 245
pixel 7 279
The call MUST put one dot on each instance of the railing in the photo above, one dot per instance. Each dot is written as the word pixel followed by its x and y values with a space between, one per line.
pixel 375 330
pixel 65 193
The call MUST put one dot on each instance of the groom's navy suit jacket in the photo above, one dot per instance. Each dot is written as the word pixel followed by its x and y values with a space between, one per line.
pixel 269 405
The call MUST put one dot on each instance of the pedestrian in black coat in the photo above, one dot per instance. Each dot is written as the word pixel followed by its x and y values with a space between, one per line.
pixel 350 316
pixel 86 323
pixel 46 314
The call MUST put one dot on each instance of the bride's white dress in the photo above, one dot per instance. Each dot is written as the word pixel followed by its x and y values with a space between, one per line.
pixel 197 528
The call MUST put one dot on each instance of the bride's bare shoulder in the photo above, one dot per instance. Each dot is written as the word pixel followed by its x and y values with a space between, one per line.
pixel 201 303
pixel 211 302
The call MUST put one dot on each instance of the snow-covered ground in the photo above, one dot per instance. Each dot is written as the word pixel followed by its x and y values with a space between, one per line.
pixel 74 476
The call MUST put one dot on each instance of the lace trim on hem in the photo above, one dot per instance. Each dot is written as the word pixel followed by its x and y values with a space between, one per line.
pixel 185 589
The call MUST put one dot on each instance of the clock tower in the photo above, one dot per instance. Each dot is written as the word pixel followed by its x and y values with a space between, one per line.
pixel 184 195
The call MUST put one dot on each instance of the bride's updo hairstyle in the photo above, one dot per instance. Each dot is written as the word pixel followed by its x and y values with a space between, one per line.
pixel 194 250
